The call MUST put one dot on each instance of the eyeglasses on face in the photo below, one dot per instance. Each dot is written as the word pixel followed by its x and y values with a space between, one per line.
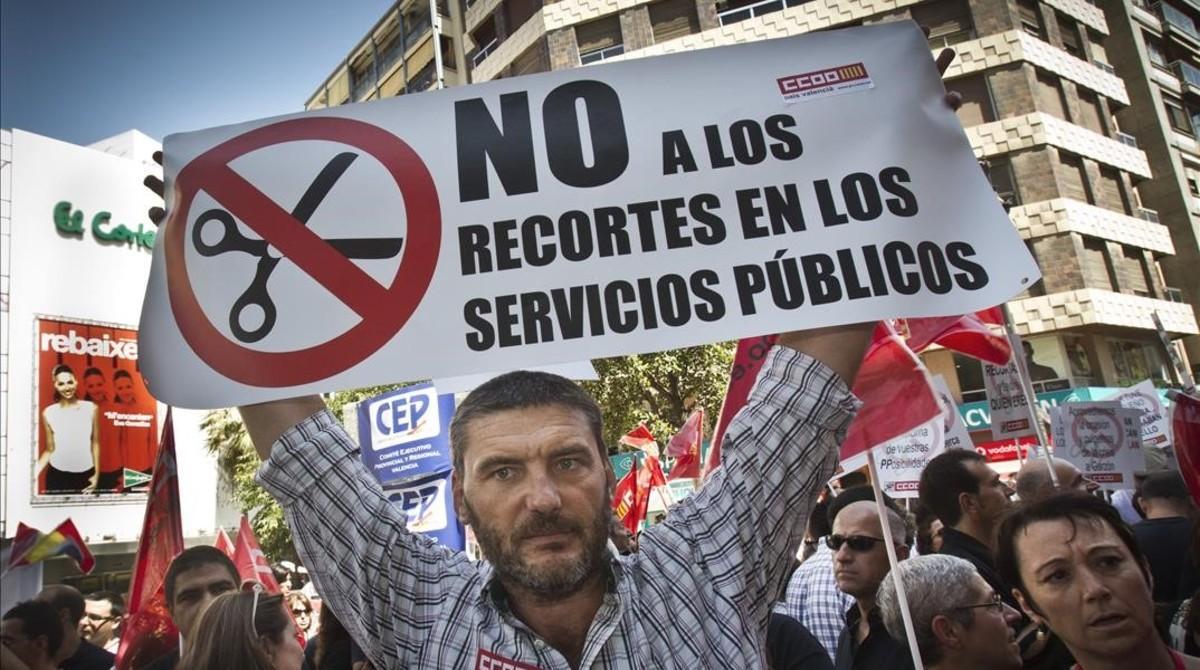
pixel 855 542
pixel 99 619
pixel 996 605
pixel 300 611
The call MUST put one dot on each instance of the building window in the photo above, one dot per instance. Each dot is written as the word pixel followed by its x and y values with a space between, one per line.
pixel 1154 51
pixel 1193 185
pixel 976 100
pixel 1109 192
pixel 948 21
pixel 672 19
pixel 1000 174
pixel 1090 112
pixel 1133 272
pixel 1068 30
pixel 599 39
pixel 1050 96
pixel 1097 270
pixel 1178 118
pixel 485 40
pixel 970 378
pixel 1134 362
pixel 1031 18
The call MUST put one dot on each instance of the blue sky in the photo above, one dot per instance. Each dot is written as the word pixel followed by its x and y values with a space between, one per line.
pixel 81 70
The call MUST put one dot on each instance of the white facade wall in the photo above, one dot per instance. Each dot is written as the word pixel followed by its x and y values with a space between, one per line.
pixel 49 274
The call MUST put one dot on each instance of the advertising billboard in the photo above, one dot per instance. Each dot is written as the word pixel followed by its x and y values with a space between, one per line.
pixel 97 425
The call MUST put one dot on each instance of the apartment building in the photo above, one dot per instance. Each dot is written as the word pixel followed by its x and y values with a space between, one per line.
pixel 1156 51
pixel 1047 104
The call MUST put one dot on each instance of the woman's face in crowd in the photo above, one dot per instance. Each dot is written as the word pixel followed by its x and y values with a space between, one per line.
pixel 1085 585
pixel 65 384
pixel 287 654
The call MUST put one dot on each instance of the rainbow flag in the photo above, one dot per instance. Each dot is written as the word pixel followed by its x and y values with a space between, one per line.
pixel 31 545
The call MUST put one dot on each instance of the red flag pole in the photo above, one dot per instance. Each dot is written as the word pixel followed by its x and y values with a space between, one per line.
pixel 1027 391
pixel 890 545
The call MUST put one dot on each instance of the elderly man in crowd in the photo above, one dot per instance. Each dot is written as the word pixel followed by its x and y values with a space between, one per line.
pixel 860 563
pixel 958 619
pixel 1034 482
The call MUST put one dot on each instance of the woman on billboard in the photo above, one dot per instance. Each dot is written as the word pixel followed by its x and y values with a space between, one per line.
pixel 72 437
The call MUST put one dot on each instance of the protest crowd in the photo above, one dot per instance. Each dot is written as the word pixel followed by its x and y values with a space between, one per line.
pixel 792 553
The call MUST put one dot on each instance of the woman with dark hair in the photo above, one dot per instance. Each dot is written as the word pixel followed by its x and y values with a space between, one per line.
pixel 330 650
pixel 247 630
pixel 72 448
pixel 1076 569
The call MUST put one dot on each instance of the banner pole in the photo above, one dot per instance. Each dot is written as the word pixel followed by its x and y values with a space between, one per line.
pixel 890 545
pixel 1027 391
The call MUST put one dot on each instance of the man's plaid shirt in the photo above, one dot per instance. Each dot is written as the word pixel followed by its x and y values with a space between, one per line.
pixel 697 595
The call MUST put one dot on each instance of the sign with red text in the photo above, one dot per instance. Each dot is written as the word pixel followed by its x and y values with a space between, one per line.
pixel 1010 413
pixel 1155 421
pixel 615 209
pixel 1102 439
pixel 899 462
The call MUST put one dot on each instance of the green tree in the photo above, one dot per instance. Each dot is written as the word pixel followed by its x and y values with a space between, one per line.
pixel 661 389
pixel 228 441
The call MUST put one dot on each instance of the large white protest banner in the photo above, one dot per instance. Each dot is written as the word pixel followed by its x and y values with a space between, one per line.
pixel 606 210
pixel 899 462
pixel 1103 439
pixel 1156 423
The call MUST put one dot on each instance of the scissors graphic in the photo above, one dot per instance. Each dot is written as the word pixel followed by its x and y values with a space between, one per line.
pixel 232 240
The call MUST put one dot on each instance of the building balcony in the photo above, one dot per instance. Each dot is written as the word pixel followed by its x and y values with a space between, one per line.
pixel 1188 74
pixel 1064 215
pixel 1036 129
pixel 1177 22
pixel 1092 307
pixel 756 9
pixel 503 54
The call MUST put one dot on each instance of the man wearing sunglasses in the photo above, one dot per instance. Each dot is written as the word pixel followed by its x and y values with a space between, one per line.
pixel 860 563
pixel 102 614
pixel 959 620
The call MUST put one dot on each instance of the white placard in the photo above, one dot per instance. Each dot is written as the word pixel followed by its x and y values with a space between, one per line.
pixel 607 210
pixel 900 461
pixel 1102 439
pixel 1156 423
pixel 953 428
pixel 1006 401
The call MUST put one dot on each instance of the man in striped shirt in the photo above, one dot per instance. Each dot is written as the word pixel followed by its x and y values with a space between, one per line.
pixel 532 479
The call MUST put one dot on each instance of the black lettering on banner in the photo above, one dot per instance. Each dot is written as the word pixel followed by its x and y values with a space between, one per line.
pixel 534 230
pixel 933 268
pixel 611 236
pixel 716 151
pixel 606 128
pixel 823 284
pixel 620 321
pixel 749 212
pixel 535 315
pixel 783 208
pixel 569 307
pixel 783 277
pixel 478 139
pixel 677 155
pixel 507 320
pixel 861 196
pixel 749 145
pixel 972 275
pixel 673 298
pixel 787 145
pixel 646 300
pixel 711 306
pixel 854 288
pixel 506 243
pixel 830 215
pixel 904 203
pixel 895 256
pixel 484 337
pixel 473 250
pixel 712 230
pixel 674 223
pixel 749 282
pixel 575 235
pixel 644 211
pixel 875 270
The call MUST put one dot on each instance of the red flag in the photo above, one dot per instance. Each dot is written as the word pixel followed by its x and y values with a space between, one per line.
pixel 747 361
pixel 224 543
pixel 625 500
pixel 250 561
pixel 641 438
pixel 895 390
pixel 685 447
pixel 1185 425
pixel 992 315
pixel 967 334
pixel 649 476
pixel 31 545
pixel 148 631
